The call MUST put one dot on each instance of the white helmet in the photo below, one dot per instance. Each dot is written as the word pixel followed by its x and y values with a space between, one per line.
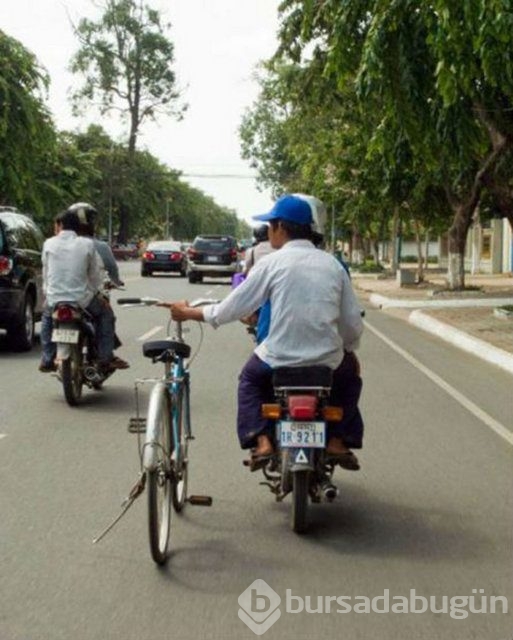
pixel 319 212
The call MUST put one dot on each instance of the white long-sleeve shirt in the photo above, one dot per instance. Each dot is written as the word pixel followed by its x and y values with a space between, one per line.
pixel 314 312
pixel 71 269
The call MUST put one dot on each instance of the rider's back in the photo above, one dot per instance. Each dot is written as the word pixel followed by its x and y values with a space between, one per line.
pixel 315 314
pixel 68 261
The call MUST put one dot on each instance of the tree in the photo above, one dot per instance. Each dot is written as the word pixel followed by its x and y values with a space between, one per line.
pixel 27 134
pixel 439 70
pixel 126 58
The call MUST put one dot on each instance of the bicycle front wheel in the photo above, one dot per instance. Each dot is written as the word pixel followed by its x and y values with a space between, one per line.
pixel 158 475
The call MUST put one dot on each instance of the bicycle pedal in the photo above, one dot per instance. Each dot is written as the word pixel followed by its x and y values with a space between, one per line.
pixel 200 501
pixel 137 425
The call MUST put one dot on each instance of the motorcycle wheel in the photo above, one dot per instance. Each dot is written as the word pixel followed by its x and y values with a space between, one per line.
pixel 72 375
pixel 300 480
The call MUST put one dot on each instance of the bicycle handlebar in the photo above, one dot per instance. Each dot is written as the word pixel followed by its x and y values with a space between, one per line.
pixel 146 302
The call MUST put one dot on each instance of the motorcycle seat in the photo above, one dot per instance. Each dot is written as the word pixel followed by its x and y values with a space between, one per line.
pixel 316 376
pixel 156 348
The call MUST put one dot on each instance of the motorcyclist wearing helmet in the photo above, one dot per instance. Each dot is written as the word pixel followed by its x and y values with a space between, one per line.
pixel 87 216
pixel 261 247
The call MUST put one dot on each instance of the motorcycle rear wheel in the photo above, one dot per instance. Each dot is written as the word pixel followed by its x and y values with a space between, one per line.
pixel 71 372
pixel 300 481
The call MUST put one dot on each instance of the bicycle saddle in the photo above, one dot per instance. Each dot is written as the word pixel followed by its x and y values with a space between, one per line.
pixel 156 348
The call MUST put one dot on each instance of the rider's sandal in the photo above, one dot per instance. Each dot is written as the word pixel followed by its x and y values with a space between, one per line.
pixel 257 462
pixel 118 363
pixel 347 460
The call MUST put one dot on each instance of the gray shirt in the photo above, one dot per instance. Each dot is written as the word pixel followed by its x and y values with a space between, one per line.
pixel 71 269
pixel 109 261
pixel 315 313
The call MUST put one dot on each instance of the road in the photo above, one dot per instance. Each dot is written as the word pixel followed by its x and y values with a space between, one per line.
pixel 430 510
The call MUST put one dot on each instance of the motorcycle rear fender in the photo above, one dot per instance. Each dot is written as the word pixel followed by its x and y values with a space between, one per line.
pixel 63 351
pixel 306 460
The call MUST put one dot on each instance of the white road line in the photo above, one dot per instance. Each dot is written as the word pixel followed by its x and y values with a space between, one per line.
pixel 150 333
pixel 499 429
pixel 3 435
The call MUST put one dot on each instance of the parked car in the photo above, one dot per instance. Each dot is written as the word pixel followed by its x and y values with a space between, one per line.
pixel 21 277
pixel 163 255
pixel 212 255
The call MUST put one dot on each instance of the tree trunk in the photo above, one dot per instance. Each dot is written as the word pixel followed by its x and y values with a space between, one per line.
pixel 394 257
pixel 418 239
pixel 123 233
pixel 457 241
pixel 357 255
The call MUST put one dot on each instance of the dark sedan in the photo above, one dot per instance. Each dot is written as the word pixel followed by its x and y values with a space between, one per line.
pixel 163 255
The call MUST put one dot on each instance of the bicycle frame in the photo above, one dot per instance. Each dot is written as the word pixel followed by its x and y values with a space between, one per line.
pixel 175 384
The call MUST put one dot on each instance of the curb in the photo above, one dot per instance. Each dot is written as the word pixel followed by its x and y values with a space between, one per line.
pixel 460 339
pixel 382 302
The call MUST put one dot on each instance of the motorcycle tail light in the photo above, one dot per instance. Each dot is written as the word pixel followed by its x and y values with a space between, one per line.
pixel 271 411
pixel 5 265
pixel 302 407
pixel 332 414
pixel 65 314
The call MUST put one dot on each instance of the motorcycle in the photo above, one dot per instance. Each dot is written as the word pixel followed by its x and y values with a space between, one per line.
pixel 300 465
pixel 75 336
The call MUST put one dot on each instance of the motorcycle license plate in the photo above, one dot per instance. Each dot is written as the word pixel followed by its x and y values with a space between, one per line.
pixel 302 434
pixel 69 336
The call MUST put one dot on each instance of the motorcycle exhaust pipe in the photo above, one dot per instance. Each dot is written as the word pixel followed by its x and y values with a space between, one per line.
pixel 329 491
pixel 92 375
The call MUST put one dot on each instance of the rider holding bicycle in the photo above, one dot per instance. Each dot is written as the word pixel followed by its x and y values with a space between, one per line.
pixel 315 320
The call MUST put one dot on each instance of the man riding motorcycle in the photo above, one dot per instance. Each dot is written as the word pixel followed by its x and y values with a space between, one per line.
pixel 71 272
pixel 315 320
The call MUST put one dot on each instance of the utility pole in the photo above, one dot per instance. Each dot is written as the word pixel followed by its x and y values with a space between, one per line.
pixel 167 218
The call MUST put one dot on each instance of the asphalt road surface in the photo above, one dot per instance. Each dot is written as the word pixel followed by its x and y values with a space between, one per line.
pixel 426 524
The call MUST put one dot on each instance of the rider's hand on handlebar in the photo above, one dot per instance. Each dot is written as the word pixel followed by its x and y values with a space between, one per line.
pixel 180 311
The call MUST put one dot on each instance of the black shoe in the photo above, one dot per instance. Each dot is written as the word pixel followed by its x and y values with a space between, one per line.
pixel 47 368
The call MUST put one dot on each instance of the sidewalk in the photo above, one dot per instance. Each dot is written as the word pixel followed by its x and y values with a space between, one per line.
pixel 471 319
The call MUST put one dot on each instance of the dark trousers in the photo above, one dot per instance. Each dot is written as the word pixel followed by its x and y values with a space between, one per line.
pixel 255 389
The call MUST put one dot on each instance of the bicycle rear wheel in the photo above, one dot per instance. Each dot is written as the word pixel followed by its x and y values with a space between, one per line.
pixel 179 457
pixel 159 479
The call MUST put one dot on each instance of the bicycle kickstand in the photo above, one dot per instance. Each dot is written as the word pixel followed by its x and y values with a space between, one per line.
pixel 134 493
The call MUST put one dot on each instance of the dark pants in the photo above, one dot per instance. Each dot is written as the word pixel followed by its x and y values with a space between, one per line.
pixel 255 389
pixel 104 320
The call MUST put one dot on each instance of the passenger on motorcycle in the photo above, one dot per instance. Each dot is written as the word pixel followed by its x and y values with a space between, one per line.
pixel 87 216
pixel 315 320
pixel 71 272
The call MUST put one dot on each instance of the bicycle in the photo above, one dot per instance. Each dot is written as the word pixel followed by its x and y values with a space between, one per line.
pixel 167 428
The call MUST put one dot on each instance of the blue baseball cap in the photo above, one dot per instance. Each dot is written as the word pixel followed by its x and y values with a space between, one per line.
pixel 289 208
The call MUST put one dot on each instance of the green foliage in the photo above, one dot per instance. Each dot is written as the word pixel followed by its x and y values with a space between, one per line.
pixel 126 59
pixel 399 105
pixel 27 134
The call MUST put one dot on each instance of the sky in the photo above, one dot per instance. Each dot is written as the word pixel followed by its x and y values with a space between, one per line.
pixel 218 44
